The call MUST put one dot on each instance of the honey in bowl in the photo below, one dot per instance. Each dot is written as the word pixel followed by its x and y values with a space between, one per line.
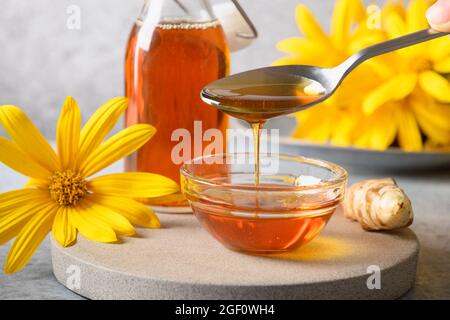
pixel 284 211
pixel 263 223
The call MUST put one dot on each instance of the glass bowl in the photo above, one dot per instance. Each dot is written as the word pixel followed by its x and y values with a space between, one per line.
pixel 292 203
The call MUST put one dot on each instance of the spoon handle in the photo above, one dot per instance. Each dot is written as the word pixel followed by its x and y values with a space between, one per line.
pixel 413 38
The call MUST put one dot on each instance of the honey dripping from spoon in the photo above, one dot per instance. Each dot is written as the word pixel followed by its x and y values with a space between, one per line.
pixel 258 96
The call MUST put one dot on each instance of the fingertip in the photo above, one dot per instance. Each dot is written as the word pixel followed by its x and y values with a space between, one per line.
pixel 438 15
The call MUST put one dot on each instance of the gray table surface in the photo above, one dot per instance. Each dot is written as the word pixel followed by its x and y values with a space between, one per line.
pixel 429 191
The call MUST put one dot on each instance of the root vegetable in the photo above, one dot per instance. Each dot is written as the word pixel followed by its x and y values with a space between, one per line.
pixel 378 205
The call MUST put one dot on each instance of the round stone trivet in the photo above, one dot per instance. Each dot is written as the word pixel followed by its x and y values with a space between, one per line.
pixel 182 261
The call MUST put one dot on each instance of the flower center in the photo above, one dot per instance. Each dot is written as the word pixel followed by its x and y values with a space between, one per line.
pixel 67 188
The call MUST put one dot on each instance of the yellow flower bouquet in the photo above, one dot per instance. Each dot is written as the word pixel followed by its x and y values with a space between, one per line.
pixel 398 99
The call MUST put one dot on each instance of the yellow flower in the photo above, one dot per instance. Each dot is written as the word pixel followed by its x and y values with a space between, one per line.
pixel 59 198
pixel 401 98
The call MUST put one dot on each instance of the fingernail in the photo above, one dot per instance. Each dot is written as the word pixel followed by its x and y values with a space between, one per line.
pixel 436 13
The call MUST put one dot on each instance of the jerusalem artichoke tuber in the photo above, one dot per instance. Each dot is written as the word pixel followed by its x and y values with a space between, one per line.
pixel 378 205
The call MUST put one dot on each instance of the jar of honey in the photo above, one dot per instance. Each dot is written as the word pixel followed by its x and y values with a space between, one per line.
pixel 175 48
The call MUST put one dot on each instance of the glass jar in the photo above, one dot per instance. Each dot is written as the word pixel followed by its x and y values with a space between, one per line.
pixel 175 48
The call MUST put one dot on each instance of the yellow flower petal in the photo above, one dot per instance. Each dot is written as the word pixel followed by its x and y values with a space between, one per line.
pixel 363 139
pixel 415 15
pixel 364 38
pixel 306 58
pixel 12 222
pixel 28 138
pixel 89 226
pixel 33 182
pixel 439 48
pixel 117 147
pixel 287 61
pixel 63 231
pixel 309 26
pixel 297 46
pixel 395 26
pixel 425 106
pixel 382 68
pixel 342 133
pixel 11 231
pixel 442 66
pixel 358 11
pixel 408 131
pixel 68 133
pixel 382 65
pixel 393 7
pixel 115 220
pixel 134 185
pixel 347 95
pixel 358 132
pixel 29 238
pixel 344 14
pixel 314 130
pixel 441 113
pixel 17 160
pixel 384 129
pixel 433 119
pixel 138 214
pixel 393 90
pixel 99 125
pixel 433 132
pixel 435 85
pixel 13 200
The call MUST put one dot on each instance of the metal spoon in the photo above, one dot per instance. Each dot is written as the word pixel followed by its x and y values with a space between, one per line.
pixel 329 78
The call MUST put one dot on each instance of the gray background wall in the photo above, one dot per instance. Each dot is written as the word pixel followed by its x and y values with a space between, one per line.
pixel 42 61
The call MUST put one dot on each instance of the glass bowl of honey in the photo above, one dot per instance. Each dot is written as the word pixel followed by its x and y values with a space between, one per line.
pixel 285 207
